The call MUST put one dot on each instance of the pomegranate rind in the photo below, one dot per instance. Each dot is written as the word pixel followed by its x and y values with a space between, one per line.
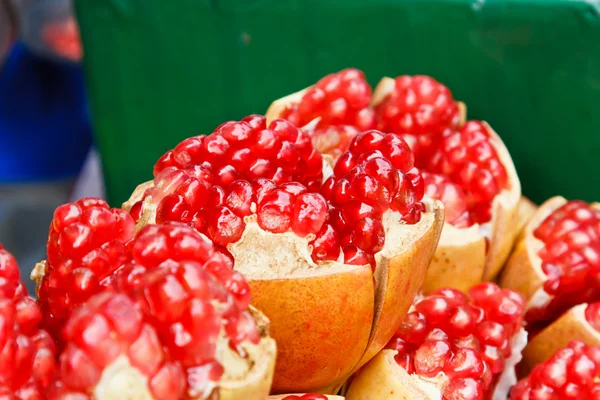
pixel 572 325
pixel 399 278
pixel 321 324
pixel 257 382
pixel 461 263
pixel 526 209
pixel 523 271
pixel 504 223
pixel 459 260
pixel 283 396
pixel 382 378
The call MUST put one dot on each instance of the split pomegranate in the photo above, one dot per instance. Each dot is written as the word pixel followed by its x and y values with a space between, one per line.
pixel 458 346
pixel 466 167
pixel 341 98
pixel 421 109
pixel 283 234
pixel 571 373
pixel 27 353
pixel 173 322
pixel 557 263
pixel 86 244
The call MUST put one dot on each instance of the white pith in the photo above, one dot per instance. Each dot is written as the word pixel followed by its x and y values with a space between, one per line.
pixel 120 380
pixel 508 378
pixel 265 255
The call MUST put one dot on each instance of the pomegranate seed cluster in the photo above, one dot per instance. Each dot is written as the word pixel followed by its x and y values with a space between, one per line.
pixel 468 157
pixel 424 113
pixel 27 353
pixel 248 150
pixel 452 196
pixel 375 175
pixel 86 243
pixel 162 304
pixel 467 339
pixel 570 259
pixel 338 99
pixel 571 373
pixel 180 293
pixel 421 109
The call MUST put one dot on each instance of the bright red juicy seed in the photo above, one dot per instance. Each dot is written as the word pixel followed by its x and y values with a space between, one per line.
pixel 571 373
pixel 86 244
pixel 421 109
pixel 341 98
pixel 468 157
pixel 570 259
pixel 452 196
pixel 465 338
pixel 27 353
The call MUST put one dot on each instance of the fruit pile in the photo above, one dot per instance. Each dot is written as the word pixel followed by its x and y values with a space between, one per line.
pixel 351 243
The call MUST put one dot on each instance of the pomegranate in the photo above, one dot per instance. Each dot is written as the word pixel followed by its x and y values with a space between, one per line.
pixel 86 244
pixel 27 353
pixel 581 322
pixel 171 321
pixel 557 260
pixel 450 346
pixel 309 251
pixel 571 373
pixel 467 168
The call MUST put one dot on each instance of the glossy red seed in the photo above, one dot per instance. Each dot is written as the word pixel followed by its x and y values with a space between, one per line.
pixel 463 388
pixel 465 363
pixel 275 211
pixel 570 258
pixel 452 196
pixel 431 357
pixel 326 245
pixel 309 214
pixel 436 308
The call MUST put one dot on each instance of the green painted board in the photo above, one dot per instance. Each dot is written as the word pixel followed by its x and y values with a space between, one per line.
pixel 162 70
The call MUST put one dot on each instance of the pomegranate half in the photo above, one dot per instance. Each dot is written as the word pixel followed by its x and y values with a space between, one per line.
pixel 424 113
pixel 556 264
pixel 450 346
pixel 330 310
pixel 157 316
pixel 571 373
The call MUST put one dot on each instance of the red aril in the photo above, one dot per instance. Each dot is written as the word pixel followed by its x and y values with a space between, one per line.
pixel 421 109
pixel 86 243
pixel 571 373
pixel 456 344
pixel 27 353
pixel 452 196
pixel 468 158
pixel 341 98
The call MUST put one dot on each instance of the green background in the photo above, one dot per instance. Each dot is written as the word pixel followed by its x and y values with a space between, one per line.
pixel 162 70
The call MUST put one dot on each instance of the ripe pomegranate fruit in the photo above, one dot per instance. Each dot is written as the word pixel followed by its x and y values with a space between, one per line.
pixel 171 322
pixel 557 261
pixel 467 168
pixel 86 244
pixel 450 346
pixel 571 373
pixel 27 353
pixel 282 234
pixel 581 322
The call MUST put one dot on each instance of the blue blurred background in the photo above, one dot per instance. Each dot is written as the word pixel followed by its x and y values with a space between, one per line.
pixel 45 132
